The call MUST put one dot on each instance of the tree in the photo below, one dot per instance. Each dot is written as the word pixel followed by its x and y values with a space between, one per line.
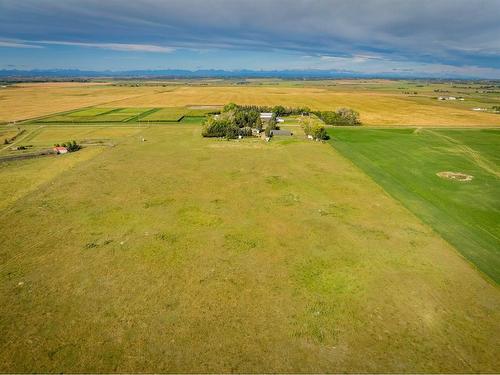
pixel 220 127
pixel 268 131
pixel 343 116
pixel 348 116
pixel 73 146
pixel 273 123
pixel 319 132
pixel 230 107
pixel 245 132
pixel 279 110
pixel 258 124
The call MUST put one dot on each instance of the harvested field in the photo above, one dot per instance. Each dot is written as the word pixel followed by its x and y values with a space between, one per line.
pixel 380 103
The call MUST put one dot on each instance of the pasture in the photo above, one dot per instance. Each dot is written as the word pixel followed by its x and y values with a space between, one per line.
pixel 409 165
pixel 42 137
pixel 187 254
pixel 380 102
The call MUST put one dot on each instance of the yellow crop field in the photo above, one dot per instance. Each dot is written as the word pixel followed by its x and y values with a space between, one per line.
pixel 380 102
pixel 35 100
pixel 376 108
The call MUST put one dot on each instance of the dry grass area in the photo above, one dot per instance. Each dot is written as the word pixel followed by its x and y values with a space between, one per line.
pixel 35 100
pixel 376 108
pixel 380 102
pixel 185 254
pixel 62 84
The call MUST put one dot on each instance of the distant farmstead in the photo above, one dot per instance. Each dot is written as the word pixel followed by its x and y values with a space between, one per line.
pixel 266 116
pixel 60 150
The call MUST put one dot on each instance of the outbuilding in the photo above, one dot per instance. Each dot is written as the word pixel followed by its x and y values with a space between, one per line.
pixel 287 133
pixel 60 150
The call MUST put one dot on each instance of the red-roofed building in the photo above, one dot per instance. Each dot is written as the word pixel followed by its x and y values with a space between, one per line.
pixel 60 150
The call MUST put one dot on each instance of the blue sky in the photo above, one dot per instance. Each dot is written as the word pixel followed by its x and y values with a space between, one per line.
pixel 411 37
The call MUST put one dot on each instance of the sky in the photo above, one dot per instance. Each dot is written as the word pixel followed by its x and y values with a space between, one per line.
pixel 436 38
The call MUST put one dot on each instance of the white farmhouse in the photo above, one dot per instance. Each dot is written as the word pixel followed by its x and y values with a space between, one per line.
pixel 266 116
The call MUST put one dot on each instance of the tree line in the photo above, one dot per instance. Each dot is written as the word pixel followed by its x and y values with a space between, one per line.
pixel 239 120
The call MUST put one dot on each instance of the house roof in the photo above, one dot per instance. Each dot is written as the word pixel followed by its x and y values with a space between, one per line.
pixel 60 148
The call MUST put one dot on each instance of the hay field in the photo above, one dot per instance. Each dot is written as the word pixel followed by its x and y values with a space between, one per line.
pixel 165 114
pixel 186 254
pixel 410 164
pixel 379 102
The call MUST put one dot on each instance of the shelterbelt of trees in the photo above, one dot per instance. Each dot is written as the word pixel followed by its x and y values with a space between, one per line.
pixel 238 120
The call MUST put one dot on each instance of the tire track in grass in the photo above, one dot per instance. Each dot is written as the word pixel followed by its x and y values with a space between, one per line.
pixel 473 155
pixel 23 138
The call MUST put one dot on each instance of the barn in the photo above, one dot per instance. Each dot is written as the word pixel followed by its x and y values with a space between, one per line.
pixel 60 150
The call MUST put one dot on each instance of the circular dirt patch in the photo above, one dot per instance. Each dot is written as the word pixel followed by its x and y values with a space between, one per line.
pixel 456 176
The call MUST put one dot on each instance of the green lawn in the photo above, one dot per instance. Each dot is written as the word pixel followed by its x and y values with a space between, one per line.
pixel 186 254
pixel 166 115
pixel 405 163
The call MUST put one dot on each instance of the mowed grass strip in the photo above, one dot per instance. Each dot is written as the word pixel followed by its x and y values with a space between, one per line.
pixel 406 163
pixel 173 114
pixel 90 112
pixel 185 254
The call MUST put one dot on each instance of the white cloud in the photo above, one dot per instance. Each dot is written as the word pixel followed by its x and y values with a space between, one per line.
pixel 113 46
pixel 16 44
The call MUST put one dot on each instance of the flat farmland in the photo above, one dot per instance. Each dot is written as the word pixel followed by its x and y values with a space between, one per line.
pixel 376 107
pixel 185 254
pixel 39 99
pixel 89 112
pixel 165 115
pixel 98 115
pixel 48 136
pixel 381 102
pixel 412 165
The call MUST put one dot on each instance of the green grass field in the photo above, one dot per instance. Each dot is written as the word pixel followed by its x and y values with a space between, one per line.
pixel 185 254
pixel 165 115
pixel 405 163
pixel 115 115
pixel 98 115
pixel 89 112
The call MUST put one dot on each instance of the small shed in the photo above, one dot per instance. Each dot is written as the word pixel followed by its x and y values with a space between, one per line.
pixel 60 150
pixel 281 132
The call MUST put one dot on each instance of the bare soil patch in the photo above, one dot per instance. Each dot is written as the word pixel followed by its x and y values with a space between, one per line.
pixel 457 176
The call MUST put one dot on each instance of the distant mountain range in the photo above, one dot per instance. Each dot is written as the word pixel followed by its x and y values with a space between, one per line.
pixel 208 73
